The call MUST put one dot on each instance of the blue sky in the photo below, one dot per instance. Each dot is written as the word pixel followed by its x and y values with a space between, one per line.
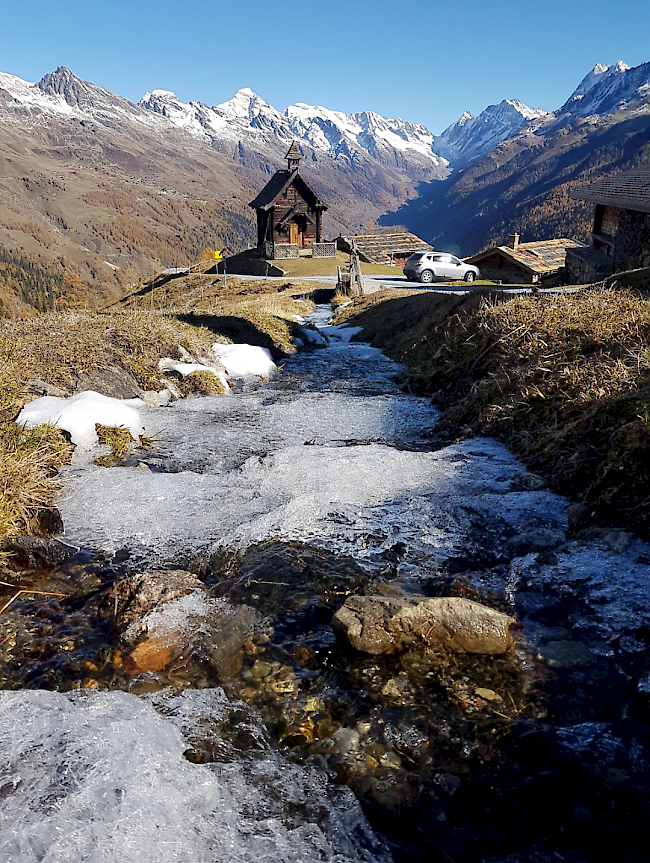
pixel 424 61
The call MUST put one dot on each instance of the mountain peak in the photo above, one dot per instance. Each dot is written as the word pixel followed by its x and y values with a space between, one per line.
pixel 77 93
pixel 606 89
pixel 471 137
pixel 55 83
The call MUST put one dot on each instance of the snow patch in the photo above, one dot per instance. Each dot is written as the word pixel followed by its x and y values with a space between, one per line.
pixel 242 361
pixel 79 413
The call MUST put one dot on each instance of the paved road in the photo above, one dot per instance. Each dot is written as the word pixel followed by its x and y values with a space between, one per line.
pixel 375 283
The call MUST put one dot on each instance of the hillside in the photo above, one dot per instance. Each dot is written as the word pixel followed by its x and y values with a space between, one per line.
pixel 98 191
pixel 523 184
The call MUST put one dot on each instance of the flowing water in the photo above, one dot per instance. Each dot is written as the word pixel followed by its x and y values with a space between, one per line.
pixel 265 738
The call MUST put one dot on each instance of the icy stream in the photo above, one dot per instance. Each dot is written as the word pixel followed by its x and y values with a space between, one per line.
pixel 331 454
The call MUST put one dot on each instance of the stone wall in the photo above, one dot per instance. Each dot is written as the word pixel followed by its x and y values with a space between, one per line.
pixel 632 241
pixel 585 266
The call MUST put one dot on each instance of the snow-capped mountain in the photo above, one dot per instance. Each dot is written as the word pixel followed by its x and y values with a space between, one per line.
pixel 606 89
pixel 471 137
pixel 525 182
pixel 342 137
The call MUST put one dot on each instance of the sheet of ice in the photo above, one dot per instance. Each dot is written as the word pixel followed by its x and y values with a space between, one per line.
pixel 168 365
pixel 245 360
pixel 313 336
pixel 79 413
pixel 210 435
pixel 356 500
pixel 99 777
pixel 340 332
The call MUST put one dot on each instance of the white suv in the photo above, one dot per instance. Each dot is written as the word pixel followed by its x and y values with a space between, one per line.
pixel 427 266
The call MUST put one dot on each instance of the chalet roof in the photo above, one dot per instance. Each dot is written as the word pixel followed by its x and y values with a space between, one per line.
pixel 540 257
pixel 630 191
pixel 378 248
pixel 276 186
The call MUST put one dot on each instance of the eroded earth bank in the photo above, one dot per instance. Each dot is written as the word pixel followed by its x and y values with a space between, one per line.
pixel 186 686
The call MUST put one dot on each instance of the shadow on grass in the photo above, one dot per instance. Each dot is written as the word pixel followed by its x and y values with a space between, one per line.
pixel 240 330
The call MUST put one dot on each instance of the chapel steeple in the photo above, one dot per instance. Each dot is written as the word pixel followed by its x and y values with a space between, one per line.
pixel 293 157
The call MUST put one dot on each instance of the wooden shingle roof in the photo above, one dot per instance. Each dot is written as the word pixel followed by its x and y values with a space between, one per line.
pixel 541 257
pixel 379 248
pixel 630 191
pixel 276 186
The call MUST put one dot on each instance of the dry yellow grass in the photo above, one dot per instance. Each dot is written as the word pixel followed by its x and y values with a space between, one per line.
pixel 265 308
pixel 563 379
pixel 58 347
pixel 314 267
pixel 29 462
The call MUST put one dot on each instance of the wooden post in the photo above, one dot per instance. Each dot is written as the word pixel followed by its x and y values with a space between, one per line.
pixel 356 276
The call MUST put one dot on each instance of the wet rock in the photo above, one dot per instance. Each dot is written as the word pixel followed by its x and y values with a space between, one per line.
pixel 578 515
pixel 538 540
pixel 614 539
pixel 36 552
pixel 488 695
pixel 527 482
pixel 379 624
pixel 234 633
pixel 132 598
pixel 48 521
pixel 111 381
pixel 567 654
pixel 153 654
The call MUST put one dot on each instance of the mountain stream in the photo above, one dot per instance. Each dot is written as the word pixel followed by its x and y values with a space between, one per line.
pixel 247 731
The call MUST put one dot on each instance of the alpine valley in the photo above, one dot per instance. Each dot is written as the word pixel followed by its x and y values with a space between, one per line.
pixel 95 190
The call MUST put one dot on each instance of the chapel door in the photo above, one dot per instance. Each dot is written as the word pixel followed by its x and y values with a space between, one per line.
pixel 296 234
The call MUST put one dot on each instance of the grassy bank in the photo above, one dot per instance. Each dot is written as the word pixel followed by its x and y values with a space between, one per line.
pixel 563 380
pixel 60 348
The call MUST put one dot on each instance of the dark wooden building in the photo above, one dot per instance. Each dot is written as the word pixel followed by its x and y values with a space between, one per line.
pixel 288 209
pixel 620 237
pixel 537 263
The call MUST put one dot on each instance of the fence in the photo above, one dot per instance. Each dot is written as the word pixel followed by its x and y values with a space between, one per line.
pixel 323 250
pixel 283 250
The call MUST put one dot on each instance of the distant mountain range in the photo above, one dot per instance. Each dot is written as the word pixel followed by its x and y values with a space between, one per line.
pixel 523 183
pixel 97 190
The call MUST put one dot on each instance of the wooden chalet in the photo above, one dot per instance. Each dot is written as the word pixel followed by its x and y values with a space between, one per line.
pixel 537 263
pixel 392 249
pixel 288 209
pixel 620 237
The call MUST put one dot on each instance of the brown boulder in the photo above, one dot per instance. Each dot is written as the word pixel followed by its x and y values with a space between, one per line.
pixel 380 624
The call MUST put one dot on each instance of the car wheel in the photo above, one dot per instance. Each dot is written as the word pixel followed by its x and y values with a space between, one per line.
pixel 426 276
pixel 470 276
